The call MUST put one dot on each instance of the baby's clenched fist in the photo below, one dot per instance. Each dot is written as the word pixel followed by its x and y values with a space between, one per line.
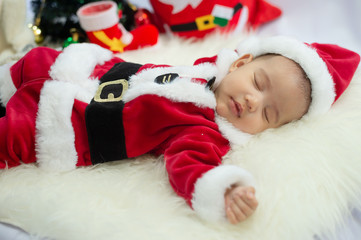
pixel 240 202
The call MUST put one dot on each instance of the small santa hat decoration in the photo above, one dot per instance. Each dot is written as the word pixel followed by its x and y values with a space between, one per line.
pixel 100 20
pixel 330 68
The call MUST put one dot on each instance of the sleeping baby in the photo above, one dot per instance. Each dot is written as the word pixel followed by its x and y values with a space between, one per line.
pixel 84 106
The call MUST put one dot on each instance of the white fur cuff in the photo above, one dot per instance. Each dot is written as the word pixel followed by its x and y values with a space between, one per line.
pixel 208 198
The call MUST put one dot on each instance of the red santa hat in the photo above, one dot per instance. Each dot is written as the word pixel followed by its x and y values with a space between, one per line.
pixel 329 67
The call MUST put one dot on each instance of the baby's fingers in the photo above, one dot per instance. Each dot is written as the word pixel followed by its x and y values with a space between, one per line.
pixel 250 199
pixel 231 216
pixel 244 209
pixel 235 213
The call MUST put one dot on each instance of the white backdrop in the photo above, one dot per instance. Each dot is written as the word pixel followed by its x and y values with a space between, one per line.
pixel 331 21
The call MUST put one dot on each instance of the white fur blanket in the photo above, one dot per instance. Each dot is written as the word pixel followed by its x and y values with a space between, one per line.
pixel 308 176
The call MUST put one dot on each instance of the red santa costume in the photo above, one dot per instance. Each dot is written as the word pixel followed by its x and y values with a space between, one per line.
pixel 60 117
pixel 46 106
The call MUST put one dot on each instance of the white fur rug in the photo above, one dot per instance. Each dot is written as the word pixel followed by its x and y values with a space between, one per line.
pixel 308 176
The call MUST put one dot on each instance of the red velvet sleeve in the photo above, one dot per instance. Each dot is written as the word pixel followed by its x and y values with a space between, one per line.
pixel 186 134
pixel 190 154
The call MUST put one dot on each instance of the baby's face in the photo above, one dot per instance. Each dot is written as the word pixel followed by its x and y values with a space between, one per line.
pixel 261 93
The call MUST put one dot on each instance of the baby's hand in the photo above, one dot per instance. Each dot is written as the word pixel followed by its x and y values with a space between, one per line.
pixel 240 203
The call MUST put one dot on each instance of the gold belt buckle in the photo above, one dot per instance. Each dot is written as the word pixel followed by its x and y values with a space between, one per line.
pixel 110 97
pixel 205 22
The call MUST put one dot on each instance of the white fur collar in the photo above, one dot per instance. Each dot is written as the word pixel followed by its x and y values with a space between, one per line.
pixel 234 135
pixel 181 89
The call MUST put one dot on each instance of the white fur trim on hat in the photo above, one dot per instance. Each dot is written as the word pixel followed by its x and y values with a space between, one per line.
pixel 322 85
pixel 100 20
pixel 208 197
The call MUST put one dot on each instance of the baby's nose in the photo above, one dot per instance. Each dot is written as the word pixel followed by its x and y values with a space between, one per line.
pixel 252 102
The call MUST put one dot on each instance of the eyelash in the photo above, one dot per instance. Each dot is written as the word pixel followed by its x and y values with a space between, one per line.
pixel 265 115
pixel 258 88
pixel 255 82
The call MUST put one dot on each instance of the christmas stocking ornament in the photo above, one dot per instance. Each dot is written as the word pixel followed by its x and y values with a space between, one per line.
pixel 100 20
pixel 197 18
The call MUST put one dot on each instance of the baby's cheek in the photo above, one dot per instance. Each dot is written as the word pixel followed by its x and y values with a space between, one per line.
pixel 250 125
pixel 221 110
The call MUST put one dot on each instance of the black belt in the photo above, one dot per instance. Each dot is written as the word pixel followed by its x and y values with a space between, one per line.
pixel 104 115
pixel 201 23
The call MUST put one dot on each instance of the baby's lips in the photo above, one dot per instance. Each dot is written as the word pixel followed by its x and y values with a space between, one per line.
pixel 239 108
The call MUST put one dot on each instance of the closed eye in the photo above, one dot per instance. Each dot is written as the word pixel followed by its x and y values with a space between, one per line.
pixel 255 82
pixel 265 115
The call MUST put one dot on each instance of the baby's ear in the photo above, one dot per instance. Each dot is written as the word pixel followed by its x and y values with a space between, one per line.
pixel 241 61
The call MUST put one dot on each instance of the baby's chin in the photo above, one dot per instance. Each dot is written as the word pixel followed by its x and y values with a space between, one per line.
pixel 219 111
